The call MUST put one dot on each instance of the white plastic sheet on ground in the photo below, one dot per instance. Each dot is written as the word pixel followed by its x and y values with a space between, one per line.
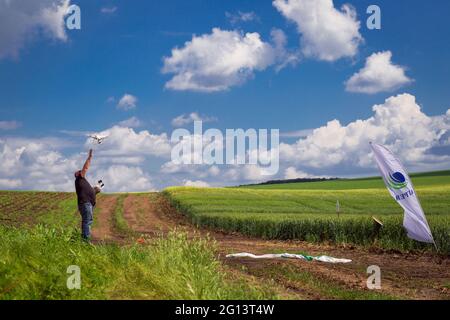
pixel 289 256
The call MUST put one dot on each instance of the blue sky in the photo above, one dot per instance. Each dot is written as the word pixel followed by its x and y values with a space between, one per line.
pixel 50 84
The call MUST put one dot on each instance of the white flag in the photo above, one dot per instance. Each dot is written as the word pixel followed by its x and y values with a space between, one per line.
pixel 401 188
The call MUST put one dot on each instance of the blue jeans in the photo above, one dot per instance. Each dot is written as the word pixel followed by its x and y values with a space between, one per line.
pixel 87 214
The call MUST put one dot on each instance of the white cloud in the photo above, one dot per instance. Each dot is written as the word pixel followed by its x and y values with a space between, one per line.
pixel 326 33
pixel 217 61
pixel 214 171
pixel 238 17
pixel 127 102
pixel 293 173
pixel 108 10
pixel 132 122
pixel 196 183
pixel 398 123
pixel 21 21
pixel 284 56
pixel 124 141
pixel 9 125
pixel 378 75
pixel 135 160
pixel 121 178
pixel 10 183
pixel 215 175
pixel 185 119
pixel 34 164
pixel 132 160
pixel 245 173
pixel 39 164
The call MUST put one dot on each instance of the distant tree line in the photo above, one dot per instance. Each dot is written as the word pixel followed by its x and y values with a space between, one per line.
pixel 298 180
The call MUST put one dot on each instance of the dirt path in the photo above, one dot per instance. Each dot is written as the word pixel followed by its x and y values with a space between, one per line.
pixel 403 275
pixel 143 217
pixel 103 230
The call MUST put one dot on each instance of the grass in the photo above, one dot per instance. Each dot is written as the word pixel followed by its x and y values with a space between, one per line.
pixel 310 214
pixel 34 264
pixel 120 224
pixel 37 248
pixel 66 214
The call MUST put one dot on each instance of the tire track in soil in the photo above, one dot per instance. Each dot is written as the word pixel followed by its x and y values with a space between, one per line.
pixel 103 229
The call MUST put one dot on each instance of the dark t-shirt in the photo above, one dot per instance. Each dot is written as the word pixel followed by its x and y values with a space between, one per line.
pixel 85 192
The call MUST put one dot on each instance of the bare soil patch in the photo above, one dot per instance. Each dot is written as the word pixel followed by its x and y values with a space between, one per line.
pixel 103 229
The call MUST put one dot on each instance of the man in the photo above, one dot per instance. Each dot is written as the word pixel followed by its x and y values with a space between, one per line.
pixel 86 198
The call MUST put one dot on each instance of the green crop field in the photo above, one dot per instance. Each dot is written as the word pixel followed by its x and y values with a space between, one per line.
pixel 307 211
pixel 40 239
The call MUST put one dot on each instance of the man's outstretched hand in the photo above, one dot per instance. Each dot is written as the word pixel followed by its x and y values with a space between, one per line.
pixel 86 164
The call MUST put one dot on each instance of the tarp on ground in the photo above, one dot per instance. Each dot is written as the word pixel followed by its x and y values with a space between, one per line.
pixel 289 256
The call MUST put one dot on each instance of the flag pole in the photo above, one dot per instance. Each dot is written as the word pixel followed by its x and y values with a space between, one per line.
pixel 435 245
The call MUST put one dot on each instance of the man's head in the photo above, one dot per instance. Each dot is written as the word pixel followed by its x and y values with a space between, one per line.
pixel 77 174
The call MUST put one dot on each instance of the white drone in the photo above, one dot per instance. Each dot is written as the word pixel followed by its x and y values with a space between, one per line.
pixel 97 138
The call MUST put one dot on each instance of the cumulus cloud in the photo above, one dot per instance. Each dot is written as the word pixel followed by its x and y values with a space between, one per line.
pixel 132 122
pixel 398 123
pixel 127 102
pixel 9 125
pixel 378 75
pixel 284 56
pixel 121 178
pixel 217 61
pixel 185 119
pixel 10 183
pixel 22 21
pixel 34 164
pixel 198 171
pixel 123 141
pixel 215 175
pixel 41 164
pixel 293 173
pixel 132 160
pixel 196 183
pixel 245 173
pixel 326 32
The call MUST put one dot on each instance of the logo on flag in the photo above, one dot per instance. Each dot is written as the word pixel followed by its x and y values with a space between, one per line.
pixel 397 181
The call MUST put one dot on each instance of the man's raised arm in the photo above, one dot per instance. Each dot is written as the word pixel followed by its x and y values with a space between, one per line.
pixel 86 164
